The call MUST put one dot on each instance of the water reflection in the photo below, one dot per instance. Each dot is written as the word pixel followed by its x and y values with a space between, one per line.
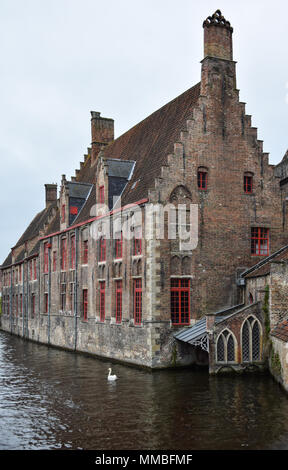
pixel 53 399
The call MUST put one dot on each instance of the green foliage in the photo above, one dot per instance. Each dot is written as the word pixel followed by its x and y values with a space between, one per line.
pixel 265 310
pixel 276 363
pixel 174 355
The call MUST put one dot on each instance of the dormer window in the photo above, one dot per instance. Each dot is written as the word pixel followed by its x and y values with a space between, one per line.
pixel 101 195
pixel 248 183
pixel 202 178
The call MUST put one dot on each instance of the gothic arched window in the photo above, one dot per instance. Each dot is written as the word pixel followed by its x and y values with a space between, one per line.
pixel 226 347
pixel 251 340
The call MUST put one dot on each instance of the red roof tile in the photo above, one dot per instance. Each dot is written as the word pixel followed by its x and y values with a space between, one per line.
pixel 281 331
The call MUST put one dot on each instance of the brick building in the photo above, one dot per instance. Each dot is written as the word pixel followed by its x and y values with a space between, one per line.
pixel 75 281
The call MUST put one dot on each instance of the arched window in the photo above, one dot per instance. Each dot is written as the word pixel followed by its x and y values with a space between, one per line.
pixel 251 299
pixel 226 347
pixel 251 340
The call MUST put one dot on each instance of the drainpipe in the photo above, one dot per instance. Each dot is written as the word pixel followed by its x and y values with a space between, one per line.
pixel 27 297
pixel 49 292
pixel 23 298
pixel 76 289
pixel 10 300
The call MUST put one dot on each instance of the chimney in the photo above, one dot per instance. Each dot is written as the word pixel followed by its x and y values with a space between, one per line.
pixel 218 37
pixel 102 132
pixel 50 193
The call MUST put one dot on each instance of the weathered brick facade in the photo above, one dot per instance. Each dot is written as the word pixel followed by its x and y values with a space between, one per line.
pixel 205 131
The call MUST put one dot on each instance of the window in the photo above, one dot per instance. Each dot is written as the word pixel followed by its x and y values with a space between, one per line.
pixel 85 304
pixel 71 294
pixel 31 270
pixel 21 304
pixel 102 300
pixel 118 301
pixel 118 245
pixel 63 214
pixel 251 340
pixel 72 252
pixel 137 241
pixel 45 303
pixel 54 260
pixel 33 305
pixel 17 306
pixel 225 347
pixel 85 252
pixel 20 273
pixel 35 269
pixel 63 254
pixel 248 183
pixel 102 249
pixel 101 195
pixel 259 241
pixel 73 210
pixel 202 179
pixel 46 257
pixel 137 301
pixel 63 296
pixel 180 301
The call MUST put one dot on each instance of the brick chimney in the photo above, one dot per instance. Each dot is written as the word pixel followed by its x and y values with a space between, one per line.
pixel 218 37
pixel 102 132
pixel 50 193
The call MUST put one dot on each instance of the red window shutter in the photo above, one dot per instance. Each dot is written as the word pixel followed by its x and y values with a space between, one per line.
pixel 118 301
pixel 46 257
pixel 102 300
pixel 73 252
pixel 248 184
pixel 118 245
pixel 137 301
pixel 63 254
pixel 202 180
pixel 73 210
pixel 259 241
pixel 85 252
pixel 85 304
pixel 180 301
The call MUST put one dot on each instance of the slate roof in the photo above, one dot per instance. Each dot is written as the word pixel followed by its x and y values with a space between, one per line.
pixel 148 143
pixel 37 224
pixel 263 267
pixel 281 331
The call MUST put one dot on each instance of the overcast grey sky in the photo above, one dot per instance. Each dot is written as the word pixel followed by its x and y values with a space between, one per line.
pixel 125 58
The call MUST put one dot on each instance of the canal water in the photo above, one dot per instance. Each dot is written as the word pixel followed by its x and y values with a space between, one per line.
pixel 53 399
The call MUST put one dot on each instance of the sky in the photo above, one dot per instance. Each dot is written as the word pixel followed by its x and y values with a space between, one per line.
pixel 61 59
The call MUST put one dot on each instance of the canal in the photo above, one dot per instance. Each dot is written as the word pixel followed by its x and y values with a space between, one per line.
pixel 52 399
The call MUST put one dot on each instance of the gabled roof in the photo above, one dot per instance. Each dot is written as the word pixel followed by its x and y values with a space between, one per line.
pixel 37 224
pixel 148 144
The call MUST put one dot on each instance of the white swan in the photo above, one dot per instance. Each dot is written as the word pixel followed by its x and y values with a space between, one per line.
pixel 111 377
